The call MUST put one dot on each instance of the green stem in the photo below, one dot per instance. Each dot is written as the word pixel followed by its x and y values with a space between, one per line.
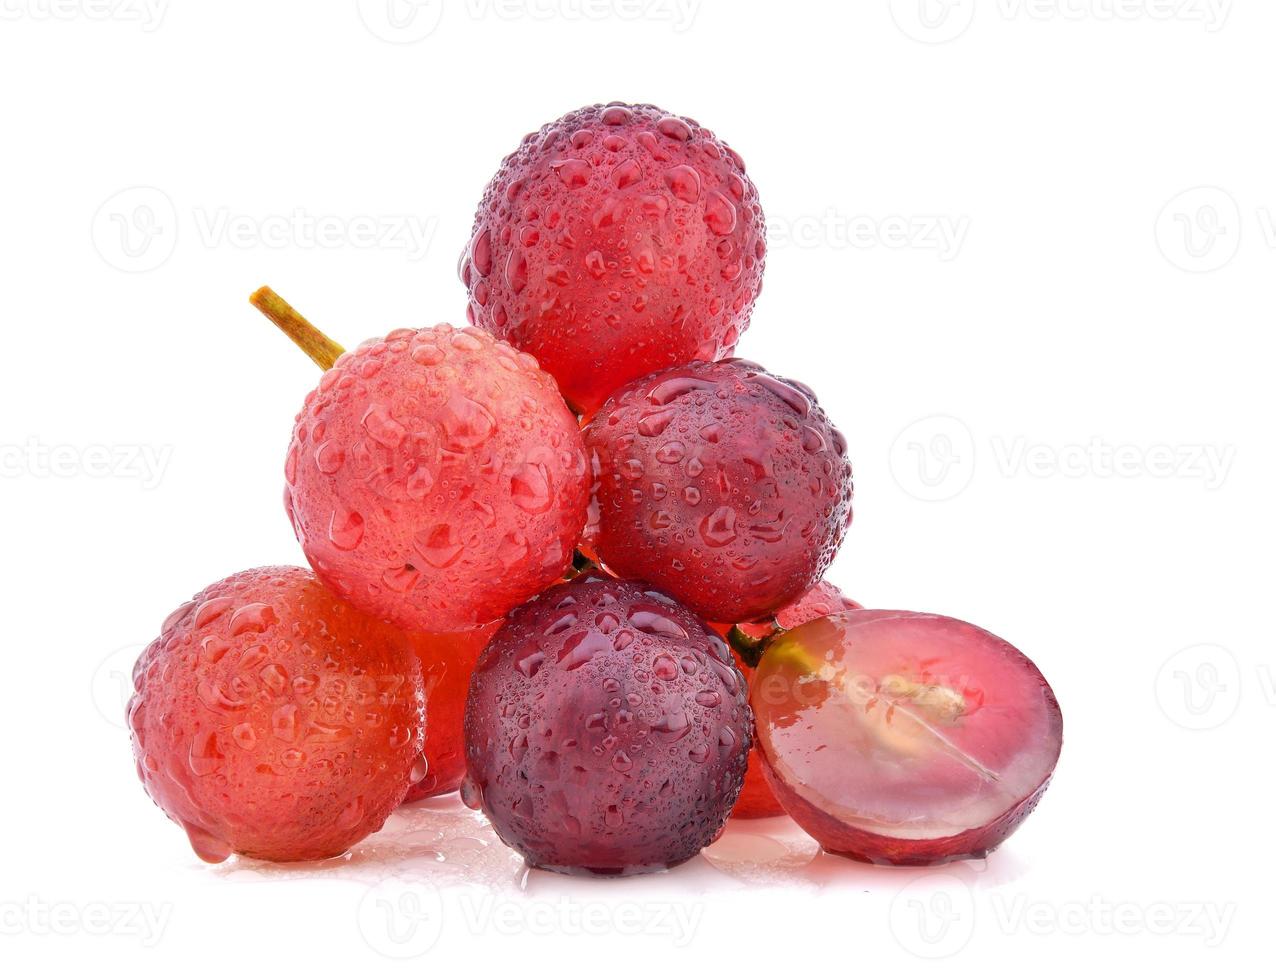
pixel 751 648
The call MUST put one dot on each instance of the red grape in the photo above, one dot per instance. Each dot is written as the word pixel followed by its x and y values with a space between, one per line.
pixel 721 484
pixel 618 240
pixel 904 738
pixel 756 798
pixel 272 719
pixel 447 660
pixel 606 731
pixel 436 478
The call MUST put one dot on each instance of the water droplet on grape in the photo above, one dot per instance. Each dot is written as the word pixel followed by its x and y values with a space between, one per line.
pixel 383 427
pixel 207 847
pixel 466 423
pixel 210 610
pixel 625 173
pixel 718 528
pixel 252 618
pixel 205 754
pixel 573 173
pixel 719 214
pixel 579 650
pixel 482 253
pixel 653 423
pixel 674 128
pixel 529 661
pixel 283 723
pixel 351 814
pixel 402 579
pixel 530 488
pixel 793 398
pixel 440 545
pixel 654 622
pixel 345 528
pixel 516 271
pixel 684 182
pixel 329 457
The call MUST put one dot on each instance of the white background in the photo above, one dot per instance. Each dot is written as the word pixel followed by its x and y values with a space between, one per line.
pixel 1024 252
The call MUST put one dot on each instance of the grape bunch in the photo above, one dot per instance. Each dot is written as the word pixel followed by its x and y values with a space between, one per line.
pixel 570 559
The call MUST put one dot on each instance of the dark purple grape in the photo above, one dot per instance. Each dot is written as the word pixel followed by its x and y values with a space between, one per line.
pixel 607 730
pixel 721 484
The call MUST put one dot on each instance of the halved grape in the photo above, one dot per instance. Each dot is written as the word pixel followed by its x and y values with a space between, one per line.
pixel 904 738
pixel 756 798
